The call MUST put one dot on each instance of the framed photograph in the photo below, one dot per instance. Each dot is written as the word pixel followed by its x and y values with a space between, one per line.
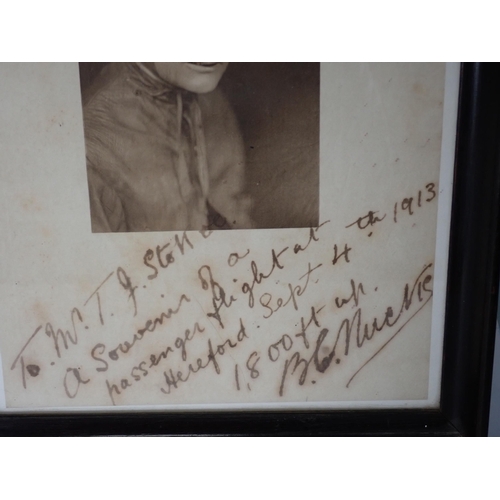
pixel 248 248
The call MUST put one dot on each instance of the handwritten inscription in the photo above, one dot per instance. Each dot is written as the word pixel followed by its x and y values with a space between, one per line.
pixel 407 206
pixel 278 319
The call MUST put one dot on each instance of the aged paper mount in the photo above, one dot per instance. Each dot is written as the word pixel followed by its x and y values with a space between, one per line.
pixel 347 314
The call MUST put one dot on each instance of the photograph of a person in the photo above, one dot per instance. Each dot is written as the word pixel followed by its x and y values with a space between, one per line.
pixel 173 146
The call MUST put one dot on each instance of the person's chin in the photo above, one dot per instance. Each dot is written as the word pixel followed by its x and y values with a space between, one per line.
pixel 204 77
pixel 203 85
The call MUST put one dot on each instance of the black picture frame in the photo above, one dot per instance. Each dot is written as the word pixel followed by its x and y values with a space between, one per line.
pixel 472 293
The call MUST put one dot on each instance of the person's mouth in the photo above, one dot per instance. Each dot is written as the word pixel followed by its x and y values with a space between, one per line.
pixel 204 67
pixel 205 64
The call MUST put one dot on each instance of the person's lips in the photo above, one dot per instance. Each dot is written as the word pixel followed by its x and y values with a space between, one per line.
pixel 204 67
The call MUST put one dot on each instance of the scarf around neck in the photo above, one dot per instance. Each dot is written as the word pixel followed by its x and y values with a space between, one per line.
pixel 188 112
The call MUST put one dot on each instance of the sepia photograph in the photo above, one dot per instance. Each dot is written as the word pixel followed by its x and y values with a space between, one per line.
pixel 192 146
